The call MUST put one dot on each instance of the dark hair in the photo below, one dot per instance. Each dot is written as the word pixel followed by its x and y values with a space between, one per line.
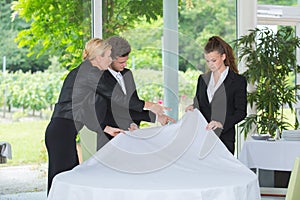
pixel 120 47
pixel 216 43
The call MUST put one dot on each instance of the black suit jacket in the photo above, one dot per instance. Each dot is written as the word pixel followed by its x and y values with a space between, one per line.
pixel 84 95
pixel 118 116
pixel 228 106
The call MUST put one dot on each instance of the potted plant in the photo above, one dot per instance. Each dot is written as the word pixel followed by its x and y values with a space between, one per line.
pixel 270 60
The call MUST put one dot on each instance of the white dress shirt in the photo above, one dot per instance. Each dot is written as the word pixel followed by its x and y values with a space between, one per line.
pixel 212 86
pixel 118 76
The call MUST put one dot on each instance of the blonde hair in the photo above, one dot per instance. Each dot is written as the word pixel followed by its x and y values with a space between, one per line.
pixel 120 47
pixel 95 47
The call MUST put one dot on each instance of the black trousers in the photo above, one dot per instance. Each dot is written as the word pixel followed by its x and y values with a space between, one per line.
pixel 60 139
pixel 229 145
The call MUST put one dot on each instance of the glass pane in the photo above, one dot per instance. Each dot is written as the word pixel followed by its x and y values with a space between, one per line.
pixel 46 30
pixel 293 78
pixel 199 23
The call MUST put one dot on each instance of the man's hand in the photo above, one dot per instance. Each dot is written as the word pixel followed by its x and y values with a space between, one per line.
pixel 113 131
pixel 156 108
pixel 165 119
pixel 189 108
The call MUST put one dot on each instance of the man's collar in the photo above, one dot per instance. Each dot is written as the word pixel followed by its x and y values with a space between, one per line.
pixel 113 72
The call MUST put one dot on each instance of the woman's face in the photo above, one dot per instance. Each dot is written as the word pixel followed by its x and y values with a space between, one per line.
pixel 105 60
pixel 215 61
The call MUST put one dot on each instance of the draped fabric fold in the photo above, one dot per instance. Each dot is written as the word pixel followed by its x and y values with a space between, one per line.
pixel 173 162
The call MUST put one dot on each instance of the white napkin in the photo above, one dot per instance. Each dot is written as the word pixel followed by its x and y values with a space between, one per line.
pixel 291 135
pixel 6 150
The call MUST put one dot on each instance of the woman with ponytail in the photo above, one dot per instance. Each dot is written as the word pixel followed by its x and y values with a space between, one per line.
pixel 221 92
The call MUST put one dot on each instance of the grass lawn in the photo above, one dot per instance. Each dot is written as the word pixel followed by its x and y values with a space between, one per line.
pixel 27 141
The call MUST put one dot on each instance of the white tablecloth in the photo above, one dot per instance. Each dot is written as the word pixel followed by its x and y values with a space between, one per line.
pixel 271 155
pixel 181 161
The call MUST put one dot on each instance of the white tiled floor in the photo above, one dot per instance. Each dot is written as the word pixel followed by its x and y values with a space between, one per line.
pixel 25 196
pixel 42 195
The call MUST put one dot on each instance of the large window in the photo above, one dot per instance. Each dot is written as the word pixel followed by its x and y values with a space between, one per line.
pixel 282 13
pixel 197 24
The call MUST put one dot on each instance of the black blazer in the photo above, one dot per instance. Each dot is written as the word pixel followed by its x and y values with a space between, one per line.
pixel 118 116
pixel 84 95
pixel 228 106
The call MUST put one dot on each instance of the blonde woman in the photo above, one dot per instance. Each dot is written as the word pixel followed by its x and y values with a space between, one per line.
pixel 76 107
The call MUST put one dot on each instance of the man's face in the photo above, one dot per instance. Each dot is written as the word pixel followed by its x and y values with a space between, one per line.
pixel 119 64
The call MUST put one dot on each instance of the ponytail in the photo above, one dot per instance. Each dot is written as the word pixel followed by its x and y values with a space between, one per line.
pixel 215 43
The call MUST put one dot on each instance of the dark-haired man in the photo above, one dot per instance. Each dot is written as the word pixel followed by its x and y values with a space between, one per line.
pixel 121 80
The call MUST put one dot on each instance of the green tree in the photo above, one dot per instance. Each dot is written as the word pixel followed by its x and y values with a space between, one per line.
pixel 58 27
pixel 199 22
pixel 145 40
pixel 62 27
pixel 120 15
pixel 16 58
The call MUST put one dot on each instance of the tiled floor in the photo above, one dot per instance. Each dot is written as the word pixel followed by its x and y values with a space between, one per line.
pixel 42 196
pixel 25 196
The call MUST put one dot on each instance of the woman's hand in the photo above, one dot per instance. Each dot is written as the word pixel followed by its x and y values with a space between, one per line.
pixel 113 131
pixel 189 108
pixel 213 125
pixel 133 126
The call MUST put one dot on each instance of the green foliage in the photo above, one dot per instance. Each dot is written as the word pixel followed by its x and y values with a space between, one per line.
pixel 278 2
pixel 270 60
pixel 58 27
pixel 218 18
pixel 39 91
pixel 150 86
pixel 35 92
pixel 16 58
pixel 188 83
pixel 121 15
pixel 62 27
pixel 197 24
pixel 145 40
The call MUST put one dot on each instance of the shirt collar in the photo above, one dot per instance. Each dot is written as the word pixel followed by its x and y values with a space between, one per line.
pixel 113 72
pixel 224 73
